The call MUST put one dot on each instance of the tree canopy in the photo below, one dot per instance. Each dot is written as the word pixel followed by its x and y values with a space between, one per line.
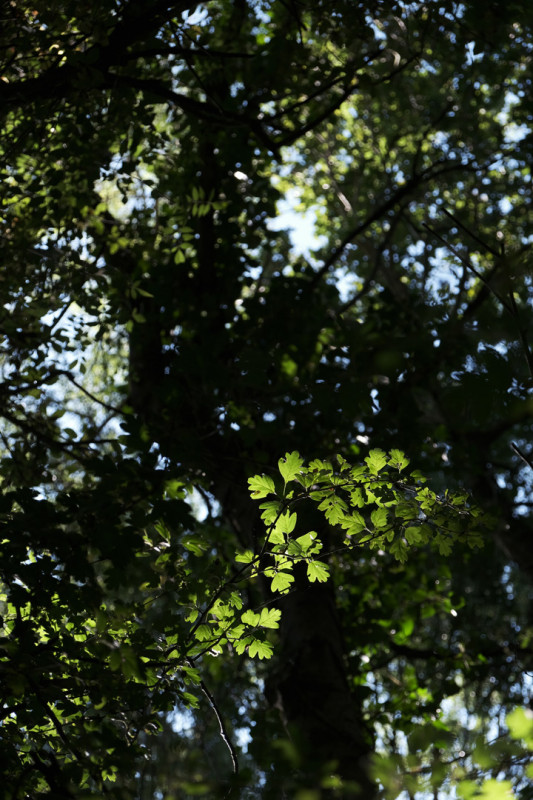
pixel 266 371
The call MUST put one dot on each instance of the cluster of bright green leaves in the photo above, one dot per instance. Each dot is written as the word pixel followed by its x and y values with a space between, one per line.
pixel 372 504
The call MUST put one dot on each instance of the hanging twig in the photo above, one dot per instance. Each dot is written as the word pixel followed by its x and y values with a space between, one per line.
pixel 468 264
pixel 510 304
pixel 66 374
pixel 522 455
pixel 522 335
pixel 470 233
pixel 223 730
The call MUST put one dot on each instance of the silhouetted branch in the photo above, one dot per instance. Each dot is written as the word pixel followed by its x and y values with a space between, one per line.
pixel 224 735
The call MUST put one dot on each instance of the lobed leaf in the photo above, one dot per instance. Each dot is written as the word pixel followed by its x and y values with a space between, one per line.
pixel 281 582
pixel 261 486
pixel 317 571
pixel 290 465
pixel 376 460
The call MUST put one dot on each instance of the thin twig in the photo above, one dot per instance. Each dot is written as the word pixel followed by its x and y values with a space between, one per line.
pixel 468 264
pixel 521 455
pixel 85 391
pixel 223 730
pixel 433 171
pixel 510 306
pixel 470 233
pixel 522 335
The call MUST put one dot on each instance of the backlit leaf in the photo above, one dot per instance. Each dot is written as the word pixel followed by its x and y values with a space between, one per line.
pixel 260 649
pixel 281 581
pixel 261 486
pixel 317 571
pixel 290 465
pixel 376 460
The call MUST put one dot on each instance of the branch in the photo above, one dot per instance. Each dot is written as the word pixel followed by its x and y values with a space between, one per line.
pixel 468 264
pixel 51 773
pixel 379 212
pixel 324 114
pixel 223 730
pixel 510 306
pixel 522 335
pixel 349 90
pixel 527 461
pixel 138 20
pixel 376 267
pixel 201 110
pixel 42 435
pixel 428 653
pixel 470 233
pixel 189 51
pixel 89 394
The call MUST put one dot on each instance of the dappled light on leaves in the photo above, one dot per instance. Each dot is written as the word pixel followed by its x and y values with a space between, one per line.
pixel 265 381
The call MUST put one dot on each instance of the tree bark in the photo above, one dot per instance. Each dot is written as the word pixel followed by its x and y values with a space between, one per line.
pixel 308 683
pixel 310 686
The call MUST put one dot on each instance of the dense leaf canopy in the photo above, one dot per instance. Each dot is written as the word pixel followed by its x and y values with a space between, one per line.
pixel 265 493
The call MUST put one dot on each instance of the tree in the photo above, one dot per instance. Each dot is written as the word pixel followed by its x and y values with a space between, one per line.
pixel 165 345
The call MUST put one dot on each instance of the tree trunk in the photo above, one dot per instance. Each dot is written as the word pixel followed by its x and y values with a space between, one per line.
pixel 308 682
pixel 310 686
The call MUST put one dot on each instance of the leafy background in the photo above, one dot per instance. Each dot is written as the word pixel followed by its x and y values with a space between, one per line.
pixel 163 342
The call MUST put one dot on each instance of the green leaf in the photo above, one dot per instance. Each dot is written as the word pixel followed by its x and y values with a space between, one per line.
pixel 276 536
pixel 379 517
pixel 496 790
pixel 467 789
pixel 195 544
pixel 261 485
pixel 286 522
pixel 319 466
pixel 414 535
pixel 399 550
pixel 269 618
pixel 245 558
pixel 307 541
pixel 353 523
pixel 190 700
pixel 242 644
pixel 290 466
pixel 406 510
pixel 358 473
pixel 203 632
pixel 261 649
pixel 520 724
pixel 281 581
pixel 334 509
pixel 398 459
pixel 235 600
pixel 406 629
pixel 445 545
pixel 294 549
pixel 235 632
pixel 357 498
pixel 270 510
pixel 317 571
pixel 376 460
pixel 250 618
